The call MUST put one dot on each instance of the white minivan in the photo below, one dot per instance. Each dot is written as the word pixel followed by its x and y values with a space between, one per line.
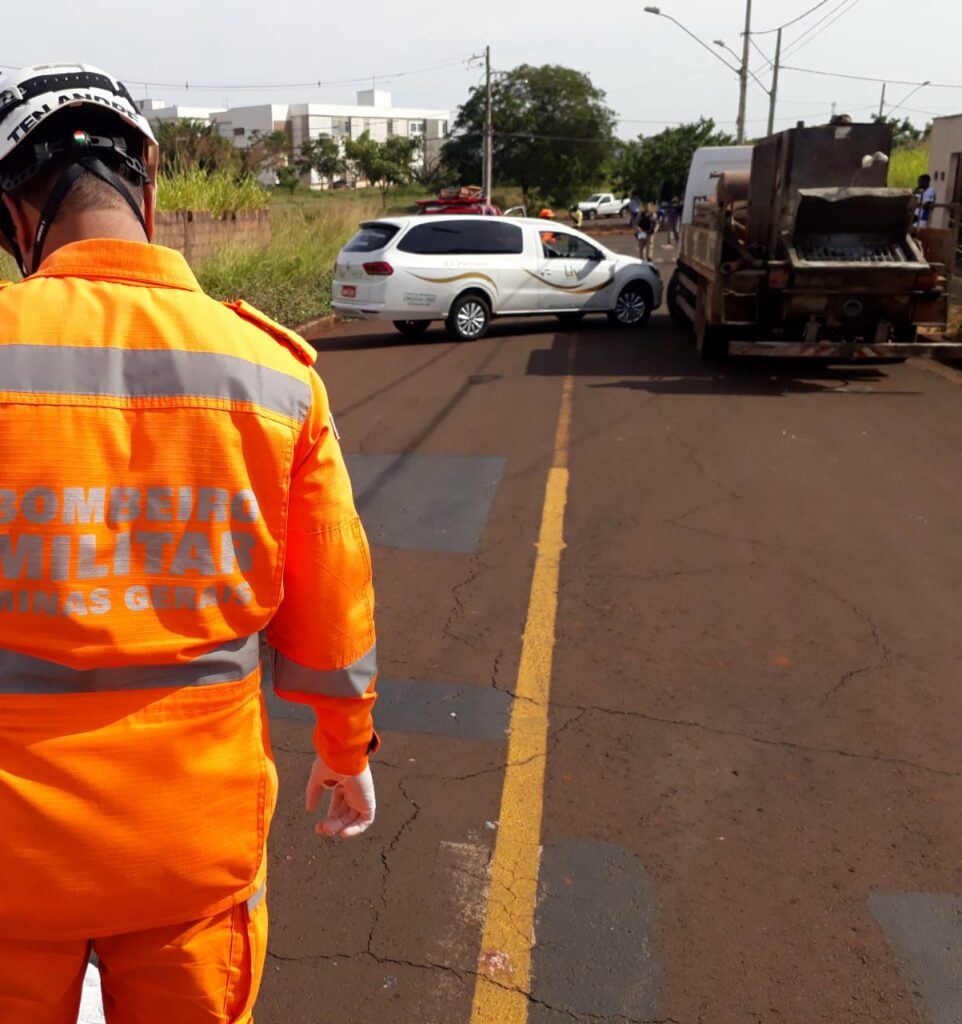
pixel 466 270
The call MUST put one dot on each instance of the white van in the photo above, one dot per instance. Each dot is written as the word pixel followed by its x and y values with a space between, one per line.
pixel 466 270
pixel 707 164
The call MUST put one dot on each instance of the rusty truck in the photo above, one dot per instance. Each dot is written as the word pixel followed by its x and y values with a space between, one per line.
pixel 808 253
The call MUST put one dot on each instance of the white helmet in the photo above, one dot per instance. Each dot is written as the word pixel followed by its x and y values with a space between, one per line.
pixel 29 97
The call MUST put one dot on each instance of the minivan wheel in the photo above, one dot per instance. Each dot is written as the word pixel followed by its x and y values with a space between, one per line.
pixel 633 305
pixel 469 317
pixel 412 328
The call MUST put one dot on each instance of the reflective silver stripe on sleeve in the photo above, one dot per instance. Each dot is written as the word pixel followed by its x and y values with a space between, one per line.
pixel 228 663
pixel 254 901
pixel 340 682
pixel 150 373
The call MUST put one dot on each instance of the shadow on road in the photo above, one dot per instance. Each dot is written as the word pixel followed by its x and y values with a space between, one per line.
pixel 661 360
pixel 338 340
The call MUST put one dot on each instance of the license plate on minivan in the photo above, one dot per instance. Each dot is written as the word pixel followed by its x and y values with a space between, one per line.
pixel 348 291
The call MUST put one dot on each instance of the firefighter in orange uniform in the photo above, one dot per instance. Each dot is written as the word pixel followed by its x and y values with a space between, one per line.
pixel 172 485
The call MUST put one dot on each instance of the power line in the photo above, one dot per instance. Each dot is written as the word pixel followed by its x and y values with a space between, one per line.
pixel 812 34
pixel 765 56
pixel 187 85
pixel 811 10
pixel 866 78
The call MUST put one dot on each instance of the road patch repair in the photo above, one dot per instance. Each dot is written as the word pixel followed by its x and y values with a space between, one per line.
pixel 925 931
pixel 425 502
pixel 593 958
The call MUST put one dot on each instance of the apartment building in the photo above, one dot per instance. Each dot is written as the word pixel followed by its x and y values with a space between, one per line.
pixel 158 110
pixel 374 112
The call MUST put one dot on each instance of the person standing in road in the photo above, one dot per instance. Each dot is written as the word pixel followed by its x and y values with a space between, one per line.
pixel 645 232
pixel 672 218
pixel 634 207
pixel 925 197
pixel 172 486
pixel 577 216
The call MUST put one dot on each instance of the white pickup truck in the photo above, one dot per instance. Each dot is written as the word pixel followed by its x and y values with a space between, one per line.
pixel 603 204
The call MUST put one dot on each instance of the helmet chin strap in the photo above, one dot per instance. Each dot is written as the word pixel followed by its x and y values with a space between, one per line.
pixel 58 194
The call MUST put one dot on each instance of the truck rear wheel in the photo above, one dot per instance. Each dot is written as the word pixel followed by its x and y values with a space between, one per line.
pixel 677 314
pixel 711 340
pixel 712 343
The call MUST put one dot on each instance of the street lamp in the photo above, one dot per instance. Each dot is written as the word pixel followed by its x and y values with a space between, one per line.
pixel 701 42
pixel 725 46
pixel 907 98
pixel 742 71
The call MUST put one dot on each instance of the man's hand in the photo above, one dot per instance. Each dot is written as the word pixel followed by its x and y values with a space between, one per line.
pixel 352 805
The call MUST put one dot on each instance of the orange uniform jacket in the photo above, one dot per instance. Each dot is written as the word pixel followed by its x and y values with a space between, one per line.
pixel 170 485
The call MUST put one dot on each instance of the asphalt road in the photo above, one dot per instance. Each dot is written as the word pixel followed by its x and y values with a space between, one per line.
pixel 752 789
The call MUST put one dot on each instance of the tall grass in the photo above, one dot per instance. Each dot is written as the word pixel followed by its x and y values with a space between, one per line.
pixel 907 164
pixel 8 269
pixel 291 279
pixel 220 193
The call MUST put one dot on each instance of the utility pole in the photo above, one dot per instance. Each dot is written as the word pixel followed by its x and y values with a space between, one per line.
pixel 881 106
pixel 488 128
pixel 773 95
pixel 743 72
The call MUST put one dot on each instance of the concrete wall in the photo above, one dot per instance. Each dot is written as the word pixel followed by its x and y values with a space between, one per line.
pixel 945 163
pixel 198 235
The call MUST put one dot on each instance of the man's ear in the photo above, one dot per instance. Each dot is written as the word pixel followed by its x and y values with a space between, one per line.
pixel 150 208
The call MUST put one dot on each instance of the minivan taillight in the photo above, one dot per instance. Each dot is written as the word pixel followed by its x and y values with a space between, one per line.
pixel 378 269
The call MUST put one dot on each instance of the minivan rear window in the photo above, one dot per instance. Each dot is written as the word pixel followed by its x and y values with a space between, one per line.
pixel 468 237
pixel 371 237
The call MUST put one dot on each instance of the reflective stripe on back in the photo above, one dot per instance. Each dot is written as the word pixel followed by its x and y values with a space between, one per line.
pixel 150 373
pixel 228 663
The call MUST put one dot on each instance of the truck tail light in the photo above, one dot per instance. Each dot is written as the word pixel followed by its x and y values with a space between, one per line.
pixel 778 277
pixel 378 269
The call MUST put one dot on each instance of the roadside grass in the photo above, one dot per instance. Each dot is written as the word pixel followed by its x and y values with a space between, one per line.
pixel 291 279
pixel 8 269
pixel 366 202
pixel 219 194
pixel 907 164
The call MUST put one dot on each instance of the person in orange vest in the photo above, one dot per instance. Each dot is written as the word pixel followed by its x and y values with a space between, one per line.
pixel 172 486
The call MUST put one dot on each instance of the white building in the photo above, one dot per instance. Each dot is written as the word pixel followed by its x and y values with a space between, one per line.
pixel 373 113
pixel 945 163
pixel 240 123
pixel 158 110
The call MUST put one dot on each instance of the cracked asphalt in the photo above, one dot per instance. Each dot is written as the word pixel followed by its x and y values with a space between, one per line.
pixel 755 703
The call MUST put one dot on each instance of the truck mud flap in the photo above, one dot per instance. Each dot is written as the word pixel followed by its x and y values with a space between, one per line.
pixel 835 350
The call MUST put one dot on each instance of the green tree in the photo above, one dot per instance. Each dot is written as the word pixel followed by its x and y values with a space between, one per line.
pixel 322 155
pixel 657 167
pixel 553 132
pixel 382 163
pixel 288 177
pixel 186 144
pixel 265 151
pixel 904 133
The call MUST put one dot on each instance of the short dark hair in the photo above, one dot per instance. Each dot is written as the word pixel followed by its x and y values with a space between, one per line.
pixel 88 192
pixel 927 178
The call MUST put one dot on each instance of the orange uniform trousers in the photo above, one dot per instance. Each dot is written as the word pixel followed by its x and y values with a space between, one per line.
pixel 204 972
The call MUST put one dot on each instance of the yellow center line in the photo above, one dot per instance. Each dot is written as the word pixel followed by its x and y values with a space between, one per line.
pixel 504 969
